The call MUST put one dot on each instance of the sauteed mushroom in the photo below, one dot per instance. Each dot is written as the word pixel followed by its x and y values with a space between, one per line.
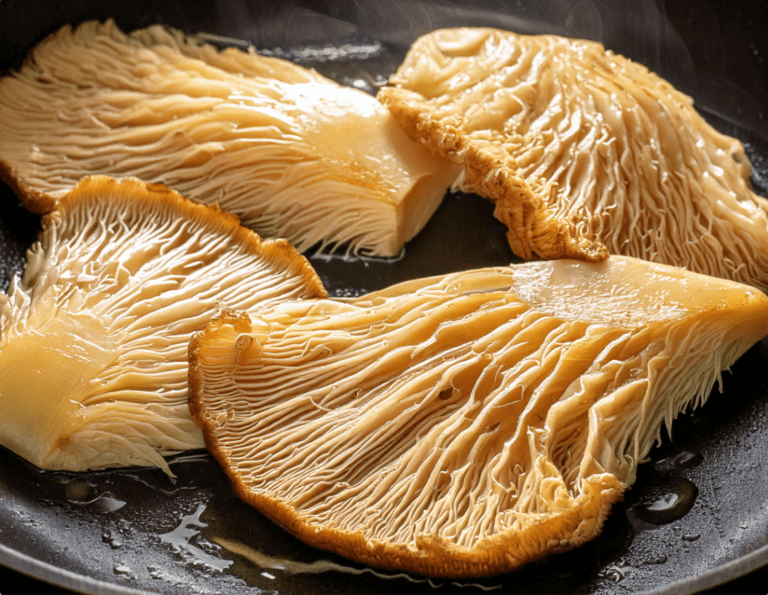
pixel 292 153
pixel 94 336
pixel 463 425
pixel 583 151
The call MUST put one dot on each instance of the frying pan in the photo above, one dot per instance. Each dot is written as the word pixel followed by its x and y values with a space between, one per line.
pixel 697 516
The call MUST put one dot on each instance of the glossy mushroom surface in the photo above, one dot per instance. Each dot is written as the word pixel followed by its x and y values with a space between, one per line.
pixel 94 334
pixel 467 424
pixel 583 151
pixel 292 153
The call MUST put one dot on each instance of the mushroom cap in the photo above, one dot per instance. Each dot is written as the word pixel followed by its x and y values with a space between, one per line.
pixel 94 335
pixel 292 153
pixel 467 424
pixel 583 151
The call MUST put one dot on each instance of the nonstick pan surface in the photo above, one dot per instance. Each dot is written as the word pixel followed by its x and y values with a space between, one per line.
pixel 133 531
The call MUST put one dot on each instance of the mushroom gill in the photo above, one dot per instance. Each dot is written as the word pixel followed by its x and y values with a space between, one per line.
pixel 292 153
pixel 463 425
pixel 94 335
pixel 583 151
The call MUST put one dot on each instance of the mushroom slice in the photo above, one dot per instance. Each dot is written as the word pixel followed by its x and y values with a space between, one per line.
pixel 467 424
pixel 94 336
pixel 292 153
pixel 583 151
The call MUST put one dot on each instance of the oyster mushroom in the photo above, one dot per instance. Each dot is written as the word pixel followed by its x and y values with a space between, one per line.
pixel 463 425
pixel 292 153
pixel 94 335
pixel 583 151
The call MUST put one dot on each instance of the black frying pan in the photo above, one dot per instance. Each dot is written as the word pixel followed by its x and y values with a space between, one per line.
pixel 132 531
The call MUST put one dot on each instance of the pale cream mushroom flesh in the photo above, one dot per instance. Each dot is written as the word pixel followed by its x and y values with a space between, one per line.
pixel 292 153
pixel 583 151
pixel 463 425
pixel 94 335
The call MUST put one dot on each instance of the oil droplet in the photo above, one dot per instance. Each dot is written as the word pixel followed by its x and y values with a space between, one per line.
pixel 78 490
pixel 663 503
pixel 186 540
pixel 107 503
pixel 290 567
pixel 82 493
pixel 123 570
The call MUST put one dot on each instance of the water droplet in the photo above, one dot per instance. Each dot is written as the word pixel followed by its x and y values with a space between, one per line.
pixel 663 503
pixel 691 537
pixel 114 540
pixel 154 572
pixel 123 570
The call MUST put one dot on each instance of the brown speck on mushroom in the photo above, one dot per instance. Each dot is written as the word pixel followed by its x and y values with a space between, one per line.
pixel 292 153
pixel 583 151
pixel 467 424
pixel 94 335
